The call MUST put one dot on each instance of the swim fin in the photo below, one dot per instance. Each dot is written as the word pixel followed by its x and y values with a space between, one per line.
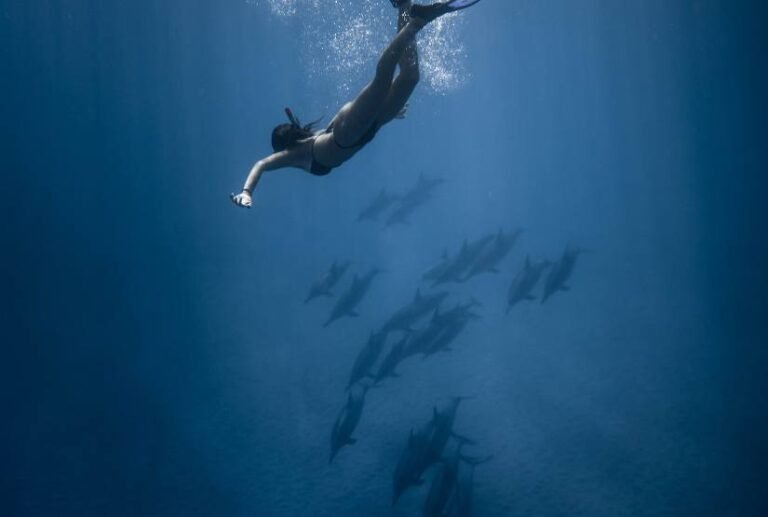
pixel 428 13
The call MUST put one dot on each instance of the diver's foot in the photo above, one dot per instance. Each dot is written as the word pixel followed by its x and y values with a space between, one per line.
pixel 429 13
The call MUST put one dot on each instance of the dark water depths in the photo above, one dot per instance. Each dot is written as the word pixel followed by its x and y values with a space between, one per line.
pixel 158 357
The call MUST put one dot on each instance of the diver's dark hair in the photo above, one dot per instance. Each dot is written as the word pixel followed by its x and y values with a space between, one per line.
pixel 285 136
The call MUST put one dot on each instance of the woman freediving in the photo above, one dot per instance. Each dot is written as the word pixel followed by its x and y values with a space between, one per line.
pixel 357 122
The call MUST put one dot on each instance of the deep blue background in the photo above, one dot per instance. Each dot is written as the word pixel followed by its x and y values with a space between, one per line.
pixel 158 359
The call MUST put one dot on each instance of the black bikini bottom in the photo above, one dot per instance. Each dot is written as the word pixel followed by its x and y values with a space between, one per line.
pixel 318 169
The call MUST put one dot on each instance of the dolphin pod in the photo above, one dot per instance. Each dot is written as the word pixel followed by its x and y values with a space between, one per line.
pixel 426 325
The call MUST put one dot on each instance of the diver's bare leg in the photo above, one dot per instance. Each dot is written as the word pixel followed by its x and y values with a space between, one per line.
pixel 356 118
pixel 406 81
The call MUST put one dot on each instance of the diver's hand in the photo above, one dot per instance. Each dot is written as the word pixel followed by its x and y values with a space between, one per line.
pixel 242 199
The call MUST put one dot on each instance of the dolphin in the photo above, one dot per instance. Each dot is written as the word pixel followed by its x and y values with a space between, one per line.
pixel 443 485
pixel 323 286
pixel 454 322
pixel 347 302
pixel 466 256
pixel 489 259
pixel 461 502
pixel 347 421
pixel 414 460
pixel 434 272
pixel 401 215
pixel 421 192
pixel 418 195
pixel 420 306
pixel 390 362
pixel 525 281
pixel 442 429
pixel 377 206
pixel 424 448
pixel 421 340
pixel 367 357
pixel 441 330
pixel 560 272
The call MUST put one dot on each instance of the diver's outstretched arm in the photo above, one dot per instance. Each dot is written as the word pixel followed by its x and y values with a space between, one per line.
pixel 274 161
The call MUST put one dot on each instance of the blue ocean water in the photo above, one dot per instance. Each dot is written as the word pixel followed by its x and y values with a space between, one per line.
pixel 160 361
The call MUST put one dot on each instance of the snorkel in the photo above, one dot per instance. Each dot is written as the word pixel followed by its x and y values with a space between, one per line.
pixel 295 122
pixel 285 136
